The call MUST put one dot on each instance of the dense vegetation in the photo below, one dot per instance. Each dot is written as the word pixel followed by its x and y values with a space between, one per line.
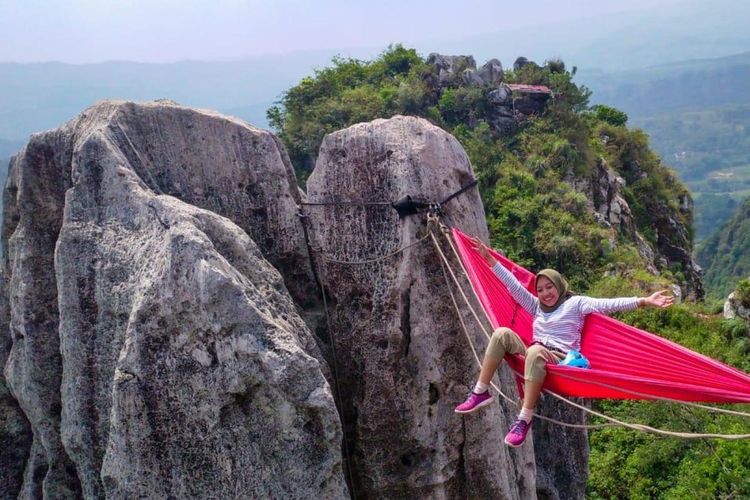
pixel 540 221
pixel 724 255
pixel 536 217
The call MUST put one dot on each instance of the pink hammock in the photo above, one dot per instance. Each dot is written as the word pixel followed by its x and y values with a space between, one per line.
pixel 627 363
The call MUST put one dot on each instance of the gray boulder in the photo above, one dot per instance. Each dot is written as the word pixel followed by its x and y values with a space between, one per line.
pixel 471 77
pixel 403 362
pixel 491 72
pixel 734 308
pixel 450 68
pixel 176 364
pixel 521 61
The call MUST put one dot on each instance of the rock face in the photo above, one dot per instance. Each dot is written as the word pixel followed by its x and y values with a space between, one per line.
pixel 155 351
pixel 562 453
pixel 15 432
pixel 604 189
pixel 157 299
pixel 403 362
pixel 734 308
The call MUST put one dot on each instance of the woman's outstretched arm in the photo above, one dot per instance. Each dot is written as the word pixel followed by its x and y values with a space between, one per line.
pixel 606 306
pixel 519 293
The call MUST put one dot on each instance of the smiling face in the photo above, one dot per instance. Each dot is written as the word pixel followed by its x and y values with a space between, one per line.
pixel 546 291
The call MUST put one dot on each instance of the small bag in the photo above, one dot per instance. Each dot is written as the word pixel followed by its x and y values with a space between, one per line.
pixel 575 359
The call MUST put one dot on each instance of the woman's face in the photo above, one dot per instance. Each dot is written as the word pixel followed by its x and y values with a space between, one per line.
pixel 546 291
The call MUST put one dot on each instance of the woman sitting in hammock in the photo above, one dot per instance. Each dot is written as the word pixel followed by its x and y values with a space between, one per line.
pixel 558 317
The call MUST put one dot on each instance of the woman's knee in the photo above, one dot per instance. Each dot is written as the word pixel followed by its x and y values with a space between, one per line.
pixel 499 342
pixel 503 330
pixel 534 352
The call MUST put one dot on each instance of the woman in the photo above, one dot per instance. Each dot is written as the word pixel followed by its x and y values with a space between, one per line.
pixel 558 321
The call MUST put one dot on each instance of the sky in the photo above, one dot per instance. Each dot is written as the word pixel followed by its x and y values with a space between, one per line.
pixel 159 31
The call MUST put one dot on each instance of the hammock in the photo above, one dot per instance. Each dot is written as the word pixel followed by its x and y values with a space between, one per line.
pixel 627 363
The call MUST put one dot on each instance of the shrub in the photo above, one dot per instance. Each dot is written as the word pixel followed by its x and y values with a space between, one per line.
pixel 743 292
pixel 610 115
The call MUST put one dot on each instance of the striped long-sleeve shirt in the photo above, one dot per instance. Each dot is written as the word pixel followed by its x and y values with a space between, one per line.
pixel 561 328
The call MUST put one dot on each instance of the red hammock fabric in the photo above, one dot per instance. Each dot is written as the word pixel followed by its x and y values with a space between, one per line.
pixel 623 358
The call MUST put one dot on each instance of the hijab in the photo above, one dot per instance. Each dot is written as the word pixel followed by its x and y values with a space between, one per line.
pixel 560 284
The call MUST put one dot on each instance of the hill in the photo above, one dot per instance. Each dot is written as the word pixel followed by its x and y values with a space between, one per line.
pixel 724 255
pixel 548 173
pixel 697 116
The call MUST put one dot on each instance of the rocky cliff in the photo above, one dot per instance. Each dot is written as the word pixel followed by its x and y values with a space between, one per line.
pixel 162 335
pixel 155 351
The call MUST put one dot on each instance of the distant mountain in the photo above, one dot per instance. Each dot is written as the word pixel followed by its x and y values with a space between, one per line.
pixel 725 255
pixel 632 39
pixel 680 86
pixel 697 114
pixel 41 96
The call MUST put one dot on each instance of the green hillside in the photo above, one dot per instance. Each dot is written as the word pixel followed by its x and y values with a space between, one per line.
pixel 534 215
pixel 540 220
pixel 725 255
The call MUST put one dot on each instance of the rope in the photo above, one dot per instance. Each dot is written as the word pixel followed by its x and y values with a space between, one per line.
pixel 460 191
pixel 375 259
pixel 405 206
pixel 347 203
pixel 340 405
pixel 641 427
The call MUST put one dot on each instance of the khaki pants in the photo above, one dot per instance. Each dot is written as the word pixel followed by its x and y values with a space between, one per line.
pixel 506 341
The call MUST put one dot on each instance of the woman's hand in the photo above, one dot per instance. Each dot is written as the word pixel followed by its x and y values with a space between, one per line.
pixel 658 299
pixel 483 251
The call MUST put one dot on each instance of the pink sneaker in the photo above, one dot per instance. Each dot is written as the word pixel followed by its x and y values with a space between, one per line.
pixel 474 402
pixel 517 433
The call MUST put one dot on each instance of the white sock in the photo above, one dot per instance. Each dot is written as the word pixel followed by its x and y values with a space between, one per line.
pixel 526 414
pixel 480 388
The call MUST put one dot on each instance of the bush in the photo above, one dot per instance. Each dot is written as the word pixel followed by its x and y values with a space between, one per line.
pixel 743 292
pixel 613 116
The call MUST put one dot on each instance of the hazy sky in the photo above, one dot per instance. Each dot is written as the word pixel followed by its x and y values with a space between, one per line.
pixel 82 31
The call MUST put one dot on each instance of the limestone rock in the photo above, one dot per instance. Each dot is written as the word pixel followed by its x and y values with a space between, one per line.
pixel 451 68
pixel 733 308
pixel 15 432
pixel 521 61
pixel 403 362
pixel 562 456
pixel 491 72
pixel 471 77
pixel 501 96
pixel 177 363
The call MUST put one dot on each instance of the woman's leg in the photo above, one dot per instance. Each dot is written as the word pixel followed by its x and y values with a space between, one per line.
pixel 504 340
pixel 537 357
pixel 531 392
pixel 489 367
pixel 535 371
